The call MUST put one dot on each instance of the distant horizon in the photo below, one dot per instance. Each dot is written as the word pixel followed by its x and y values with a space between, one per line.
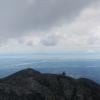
pixel 59 55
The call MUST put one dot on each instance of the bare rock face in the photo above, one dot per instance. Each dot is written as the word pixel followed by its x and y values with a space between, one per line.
pixel 29 84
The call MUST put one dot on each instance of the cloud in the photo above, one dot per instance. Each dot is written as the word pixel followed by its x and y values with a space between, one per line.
pixel 50 40
pixel 64 24
pixel 83 32
pixel 18 17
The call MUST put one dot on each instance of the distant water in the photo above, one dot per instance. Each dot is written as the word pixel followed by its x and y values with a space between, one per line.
pixel 75 68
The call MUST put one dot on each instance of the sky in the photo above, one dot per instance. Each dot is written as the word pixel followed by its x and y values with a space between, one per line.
pixel 49 26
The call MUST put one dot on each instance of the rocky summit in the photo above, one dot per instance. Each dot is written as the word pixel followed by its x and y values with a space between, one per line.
pixel 30 84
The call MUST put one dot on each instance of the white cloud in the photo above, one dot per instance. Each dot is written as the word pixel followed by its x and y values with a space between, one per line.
pixel 83 32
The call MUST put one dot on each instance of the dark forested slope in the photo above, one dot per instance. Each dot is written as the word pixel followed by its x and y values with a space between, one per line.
pixel 29 84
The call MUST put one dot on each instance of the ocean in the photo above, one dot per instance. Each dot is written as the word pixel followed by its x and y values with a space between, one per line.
pixel 77 68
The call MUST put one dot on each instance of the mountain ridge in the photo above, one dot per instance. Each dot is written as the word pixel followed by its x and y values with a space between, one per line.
pixel 29 84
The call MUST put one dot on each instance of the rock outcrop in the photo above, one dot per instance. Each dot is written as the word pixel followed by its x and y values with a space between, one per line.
pixel 29 84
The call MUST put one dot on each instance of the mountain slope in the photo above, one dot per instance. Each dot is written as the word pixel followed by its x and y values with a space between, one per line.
pixel 29 84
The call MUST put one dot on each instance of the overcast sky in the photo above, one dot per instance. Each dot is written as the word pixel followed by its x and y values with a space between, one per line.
pixel 49 26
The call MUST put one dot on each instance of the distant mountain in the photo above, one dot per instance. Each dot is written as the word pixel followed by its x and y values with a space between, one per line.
pixel 30 84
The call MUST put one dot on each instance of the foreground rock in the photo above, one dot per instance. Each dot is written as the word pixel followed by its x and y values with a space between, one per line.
pixel 29 84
